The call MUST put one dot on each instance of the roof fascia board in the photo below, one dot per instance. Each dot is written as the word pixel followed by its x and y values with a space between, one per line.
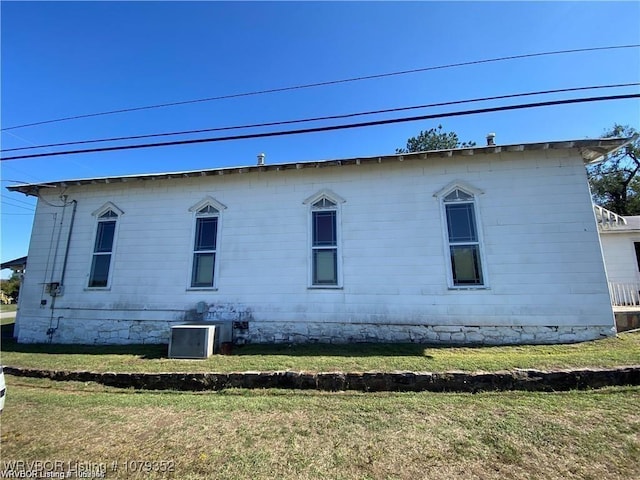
pixel 591 151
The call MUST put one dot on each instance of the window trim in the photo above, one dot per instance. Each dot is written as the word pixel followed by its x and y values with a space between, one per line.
pixel 98 213
pixel 204 203
pixel 475 202
pixel 337 201
pixel 636 250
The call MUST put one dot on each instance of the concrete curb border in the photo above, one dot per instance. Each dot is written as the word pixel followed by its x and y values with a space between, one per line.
pixel 526 380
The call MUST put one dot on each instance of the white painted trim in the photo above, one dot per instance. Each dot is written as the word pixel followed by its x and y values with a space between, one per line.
pixel 633 241
pixel 208 200
pixel 459 184
pixel 325 192
pixel 106 207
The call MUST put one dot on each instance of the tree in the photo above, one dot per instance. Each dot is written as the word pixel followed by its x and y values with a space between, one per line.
pixel 433 139
pixel 11 286
pixel 615 183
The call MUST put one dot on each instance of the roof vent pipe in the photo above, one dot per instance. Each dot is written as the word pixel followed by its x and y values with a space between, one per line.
pixel 491 139
pixel 261 158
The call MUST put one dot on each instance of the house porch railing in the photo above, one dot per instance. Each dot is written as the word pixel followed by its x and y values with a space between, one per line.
pixel 607 220
pixel 624 294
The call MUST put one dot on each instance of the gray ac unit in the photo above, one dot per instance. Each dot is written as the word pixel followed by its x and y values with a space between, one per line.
pixel 192 341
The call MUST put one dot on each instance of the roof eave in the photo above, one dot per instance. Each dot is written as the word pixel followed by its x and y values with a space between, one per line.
pixel 598 153
pixel 591 151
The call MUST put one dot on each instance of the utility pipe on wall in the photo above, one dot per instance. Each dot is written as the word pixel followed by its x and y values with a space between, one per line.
pixel 66 252
pixel 51 330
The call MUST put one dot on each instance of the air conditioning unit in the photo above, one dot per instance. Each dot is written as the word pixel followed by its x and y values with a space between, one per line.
pixel 192 341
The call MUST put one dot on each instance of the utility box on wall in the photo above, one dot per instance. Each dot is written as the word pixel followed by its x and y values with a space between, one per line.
pixel 192 341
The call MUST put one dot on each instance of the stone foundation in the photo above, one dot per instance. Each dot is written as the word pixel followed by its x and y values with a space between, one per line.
pixel 119 331
pixel 96 332
pixel 428 334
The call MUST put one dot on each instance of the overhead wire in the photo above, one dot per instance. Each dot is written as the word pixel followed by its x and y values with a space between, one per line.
pixel 4 202
pixel 321 84
pixel 14 181
pixel 331 127
pixel 330 117
pixel 7 197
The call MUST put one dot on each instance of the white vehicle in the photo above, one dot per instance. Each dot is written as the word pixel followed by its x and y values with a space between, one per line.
pixel 3 389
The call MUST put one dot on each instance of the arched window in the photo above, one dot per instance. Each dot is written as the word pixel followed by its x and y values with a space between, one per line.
pixel 464 242
pixel 205 245
pixel 325 261
pixel 103 245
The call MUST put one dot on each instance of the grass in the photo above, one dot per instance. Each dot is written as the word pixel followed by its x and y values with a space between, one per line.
pixel 616 351
pixel 239 434
pixel 12 307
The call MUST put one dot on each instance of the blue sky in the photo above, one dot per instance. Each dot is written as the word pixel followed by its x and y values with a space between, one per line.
pixel 71 58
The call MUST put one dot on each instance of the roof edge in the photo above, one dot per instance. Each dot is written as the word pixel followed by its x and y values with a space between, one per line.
pixel 591 150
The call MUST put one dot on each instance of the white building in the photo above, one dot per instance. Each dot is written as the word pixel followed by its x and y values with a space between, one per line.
pixel 620 238
pixel 492 245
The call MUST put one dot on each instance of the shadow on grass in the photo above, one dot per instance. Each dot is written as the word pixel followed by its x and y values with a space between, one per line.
pixel 142 351
pixel 7 330
pixel 298 350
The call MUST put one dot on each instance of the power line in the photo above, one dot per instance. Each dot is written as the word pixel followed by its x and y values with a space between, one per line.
pixel 16 200
pixel 17 206
pixel 322 84
pixel 333 127
pixel 331 117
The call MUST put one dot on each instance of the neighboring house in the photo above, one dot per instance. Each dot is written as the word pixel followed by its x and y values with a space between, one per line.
pixel 489 245
pixel 620 238
pixel 17 265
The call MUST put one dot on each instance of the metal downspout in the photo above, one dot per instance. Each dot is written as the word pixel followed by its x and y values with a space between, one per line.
pixel 51 330
pixel 66 252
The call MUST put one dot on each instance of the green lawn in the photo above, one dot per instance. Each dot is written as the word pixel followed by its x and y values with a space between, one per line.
pixel 8 308
pixel 617 351
pixel 273 434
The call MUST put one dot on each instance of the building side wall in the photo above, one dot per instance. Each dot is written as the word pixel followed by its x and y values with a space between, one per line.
pixel 620 256
pixel 546 279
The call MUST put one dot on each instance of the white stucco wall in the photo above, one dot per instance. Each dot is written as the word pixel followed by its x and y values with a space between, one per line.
pixel 546 280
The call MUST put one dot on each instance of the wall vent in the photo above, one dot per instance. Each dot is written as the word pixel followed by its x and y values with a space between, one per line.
pixel 192 341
